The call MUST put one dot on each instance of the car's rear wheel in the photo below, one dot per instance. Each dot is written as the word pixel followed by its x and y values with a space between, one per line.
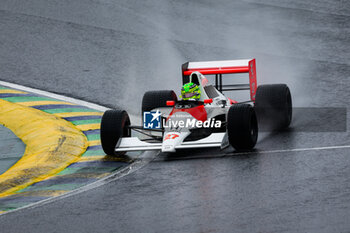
pixel 242 127
pixel 114 126
pixel 273 105
pixel 157 99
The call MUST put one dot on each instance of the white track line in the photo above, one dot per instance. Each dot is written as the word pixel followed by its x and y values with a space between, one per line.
pixel 294 150
pixel 133 118
pixel 134 166
pixel 55 96
pixel 229 154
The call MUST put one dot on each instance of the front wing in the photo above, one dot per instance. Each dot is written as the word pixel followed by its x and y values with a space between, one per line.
pixel 135 144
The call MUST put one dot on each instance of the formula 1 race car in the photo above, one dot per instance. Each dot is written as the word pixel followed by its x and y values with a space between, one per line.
pixel 212 120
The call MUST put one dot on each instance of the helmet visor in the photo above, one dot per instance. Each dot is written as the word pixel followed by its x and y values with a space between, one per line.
pixel 189 95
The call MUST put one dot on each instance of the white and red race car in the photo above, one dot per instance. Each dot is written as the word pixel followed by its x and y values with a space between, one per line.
pixel 212 121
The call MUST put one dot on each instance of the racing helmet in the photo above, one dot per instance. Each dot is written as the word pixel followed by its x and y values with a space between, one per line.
pixel 190 91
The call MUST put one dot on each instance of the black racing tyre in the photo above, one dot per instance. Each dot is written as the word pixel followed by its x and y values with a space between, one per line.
pixel 157 99
pixel 242 127
pixel 114 125
pixel 273 106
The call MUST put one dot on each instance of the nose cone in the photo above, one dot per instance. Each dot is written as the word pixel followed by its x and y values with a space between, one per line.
pixel 173 139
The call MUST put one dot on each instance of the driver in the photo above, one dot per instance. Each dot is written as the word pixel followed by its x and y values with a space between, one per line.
pixel 190 91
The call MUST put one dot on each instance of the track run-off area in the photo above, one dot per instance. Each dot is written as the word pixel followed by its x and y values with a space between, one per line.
pixel 63 149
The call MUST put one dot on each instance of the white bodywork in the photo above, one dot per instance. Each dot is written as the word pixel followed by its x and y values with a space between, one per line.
pixel 135 144
pixel 173 138
pixel 222 64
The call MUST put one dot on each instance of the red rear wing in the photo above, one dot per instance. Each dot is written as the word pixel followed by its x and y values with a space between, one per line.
pixel 218 68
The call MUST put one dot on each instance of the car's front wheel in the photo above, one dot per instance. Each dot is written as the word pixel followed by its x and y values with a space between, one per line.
pixel 114 126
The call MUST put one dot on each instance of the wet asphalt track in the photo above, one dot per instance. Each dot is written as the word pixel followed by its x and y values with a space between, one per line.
pixel 110 52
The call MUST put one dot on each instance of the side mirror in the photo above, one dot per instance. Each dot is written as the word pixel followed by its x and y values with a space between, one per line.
pixel 170 103
pixel 208 101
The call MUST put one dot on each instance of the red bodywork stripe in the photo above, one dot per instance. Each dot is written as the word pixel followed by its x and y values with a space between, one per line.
pixel 252 79
pixel 219 70
pixel 197 112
